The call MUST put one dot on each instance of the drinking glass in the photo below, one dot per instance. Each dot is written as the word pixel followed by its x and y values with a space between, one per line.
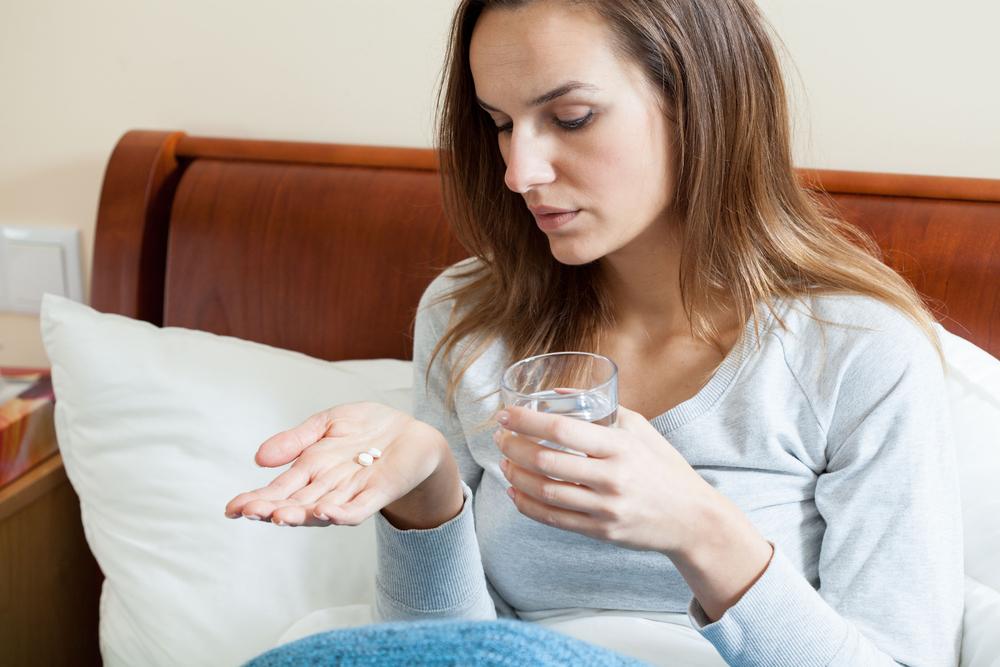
pixel 581 385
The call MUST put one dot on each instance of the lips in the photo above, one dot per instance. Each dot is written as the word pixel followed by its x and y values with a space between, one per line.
pixel 549 210
pixel 550 218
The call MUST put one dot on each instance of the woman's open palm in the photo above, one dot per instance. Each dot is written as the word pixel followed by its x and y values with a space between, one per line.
pixel 325 483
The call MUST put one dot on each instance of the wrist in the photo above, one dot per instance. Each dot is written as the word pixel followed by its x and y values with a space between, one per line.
pixel 434 501
pixel 724 558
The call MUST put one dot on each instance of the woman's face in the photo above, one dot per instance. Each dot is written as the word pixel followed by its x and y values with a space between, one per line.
pixel 579 129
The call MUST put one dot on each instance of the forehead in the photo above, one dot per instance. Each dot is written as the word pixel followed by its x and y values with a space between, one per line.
pixel 525 51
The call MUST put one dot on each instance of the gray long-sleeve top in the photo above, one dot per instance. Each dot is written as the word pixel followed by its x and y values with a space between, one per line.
pixel 834 440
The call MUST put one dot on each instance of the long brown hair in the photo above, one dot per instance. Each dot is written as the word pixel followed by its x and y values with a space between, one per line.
pixel 748 228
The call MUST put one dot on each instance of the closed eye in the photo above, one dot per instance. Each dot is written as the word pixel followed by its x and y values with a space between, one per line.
pixel 570 125
pixel 576 123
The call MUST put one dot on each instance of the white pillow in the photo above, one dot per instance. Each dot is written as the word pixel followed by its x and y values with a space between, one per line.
pixel 973 378
pixel 980 639
pixel 158 429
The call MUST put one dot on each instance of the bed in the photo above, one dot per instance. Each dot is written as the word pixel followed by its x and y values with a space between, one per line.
pixel 325 249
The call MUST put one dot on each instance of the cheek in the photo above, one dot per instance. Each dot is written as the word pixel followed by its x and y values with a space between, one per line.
pixel 628 175
pixel 602 166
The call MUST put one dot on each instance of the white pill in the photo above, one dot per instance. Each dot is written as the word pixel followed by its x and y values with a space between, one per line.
pixel 365 459
pixel 375 452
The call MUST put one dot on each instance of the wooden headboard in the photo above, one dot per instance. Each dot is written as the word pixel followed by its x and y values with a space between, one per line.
pixel 316 248
pixel 325 249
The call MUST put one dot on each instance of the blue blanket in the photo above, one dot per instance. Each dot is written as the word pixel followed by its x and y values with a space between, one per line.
pixel 501 643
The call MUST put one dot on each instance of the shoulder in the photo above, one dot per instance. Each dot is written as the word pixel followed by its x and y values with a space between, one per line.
pixel 851 350
pixel 439 289
pixel 437 304
pixel 858 310
pixel 851 328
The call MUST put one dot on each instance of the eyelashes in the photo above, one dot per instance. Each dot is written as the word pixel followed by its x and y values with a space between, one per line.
pixel 569 125
pixel 577 123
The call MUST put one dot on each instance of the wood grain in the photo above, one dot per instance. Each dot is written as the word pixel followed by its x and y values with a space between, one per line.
pixel 901 185
pixel 329 261
pixel 301 152
pixel 130 240
pixel 948 249
pixel 49 582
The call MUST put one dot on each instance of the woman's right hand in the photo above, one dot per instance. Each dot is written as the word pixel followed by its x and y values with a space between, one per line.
pixel 326 485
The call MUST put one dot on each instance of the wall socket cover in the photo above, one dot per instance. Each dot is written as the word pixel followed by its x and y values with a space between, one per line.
pixel 35 260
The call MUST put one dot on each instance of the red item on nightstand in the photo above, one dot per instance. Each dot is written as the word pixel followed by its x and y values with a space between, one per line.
pixel 27 428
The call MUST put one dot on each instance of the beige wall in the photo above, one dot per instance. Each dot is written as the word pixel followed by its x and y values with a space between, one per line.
pixel 892 85
pixel 905 86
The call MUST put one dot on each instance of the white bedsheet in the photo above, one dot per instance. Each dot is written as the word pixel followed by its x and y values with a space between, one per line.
pixel 667 640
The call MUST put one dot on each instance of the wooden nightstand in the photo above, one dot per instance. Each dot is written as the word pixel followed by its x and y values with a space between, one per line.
pixel 49 582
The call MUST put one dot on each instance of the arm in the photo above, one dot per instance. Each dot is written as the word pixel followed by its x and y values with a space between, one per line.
pixel 429 564
pixel 890 565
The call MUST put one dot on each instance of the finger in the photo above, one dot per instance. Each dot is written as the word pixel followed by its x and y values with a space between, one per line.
pixel 630 420
pixel 280 488
pixel 359 508
pixel 237 507
pixel 266 509
pixel 556 492
pixel 274 510
pixel 324 483
pixel 286 446
pixel 528 454
pixel 556 517
pixel 341 495
pixel 299 508
pixel 591 439
pixel 296 514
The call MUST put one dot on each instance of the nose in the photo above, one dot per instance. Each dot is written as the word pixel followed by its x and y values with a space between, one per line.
pixel 528 162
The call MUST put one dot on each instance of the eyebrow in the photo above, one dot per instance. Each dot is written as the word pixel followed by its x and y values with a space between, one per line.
pixel 565 88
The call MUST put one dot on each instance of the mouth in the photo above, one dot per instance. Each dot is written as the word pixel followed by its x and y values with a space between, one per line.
pixel 549 218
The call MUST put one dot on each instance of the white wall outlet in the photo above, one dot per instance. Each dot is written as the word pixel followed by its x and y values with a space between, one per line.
pixel 36 260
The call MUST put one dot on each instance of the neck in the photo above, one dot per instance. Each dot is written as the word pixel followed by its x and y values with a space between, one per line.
pixel 643 280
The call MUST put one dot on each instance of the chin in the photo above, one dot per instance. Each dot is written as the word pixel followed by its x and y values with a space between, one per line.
pixel 572 254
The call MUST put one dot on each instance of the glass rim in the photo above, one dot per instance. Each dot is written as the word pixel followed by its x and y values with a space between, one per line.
pixel 614 374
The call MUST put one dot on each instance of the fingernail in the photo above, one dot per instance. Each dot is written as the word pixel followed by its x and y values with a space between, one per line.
pixel 496 436
pixel 252 517
pixel 321 517
pixel 504 465
pixel 503 416
pixel 510 492
pixel 277 522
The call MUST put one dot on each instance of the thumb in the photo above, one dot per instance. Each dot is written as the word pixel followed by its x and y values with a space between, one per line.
pixel 286 446
pixel 630 420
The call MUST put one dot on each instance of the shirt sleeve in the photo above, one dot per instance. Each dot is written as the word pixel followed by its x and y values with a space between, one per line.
pixel 434 573
pixel 890 565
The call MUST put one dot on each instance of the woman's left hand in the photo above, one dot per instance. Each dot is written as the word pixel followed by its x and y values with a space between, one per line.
pixel 633 488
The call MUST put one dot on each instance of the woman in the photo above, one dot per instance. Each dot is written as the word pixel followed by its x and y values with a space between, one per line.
pixel 782 470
